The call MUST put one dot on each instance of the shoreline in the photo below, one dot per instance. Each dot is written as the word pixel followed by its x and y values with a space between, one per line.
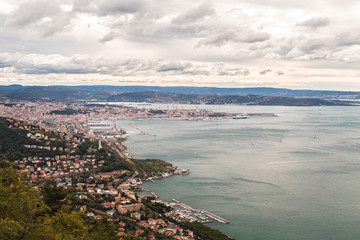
pixel 128 156
pixel 187 212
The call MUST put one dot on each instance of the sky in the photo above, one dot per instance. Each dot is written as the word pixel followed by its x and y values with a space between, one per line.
pixel 308 44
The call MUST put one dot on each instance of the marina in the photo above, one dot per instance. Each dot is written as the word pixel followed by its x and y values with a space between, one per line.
pixel 200 215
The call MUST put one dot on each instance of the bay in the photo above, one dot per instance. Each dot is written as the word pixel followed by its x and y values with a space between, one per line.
pixel 295 176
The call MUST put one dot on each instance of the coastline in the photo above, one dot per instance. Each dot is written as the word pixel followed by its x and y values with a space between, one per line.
pixel 185 212
pixel 171 171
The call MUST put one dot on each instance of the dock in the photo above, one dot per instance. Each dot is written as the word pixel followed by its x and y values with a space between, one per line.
pixel 151 180
pixel 146 190
pixel 201 211
pixel 216 217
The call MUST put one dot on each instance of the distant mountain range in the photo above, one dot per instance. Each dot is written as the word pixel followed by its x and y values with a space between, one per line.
pixel 188 98
pixel 209 95
pixel 51 93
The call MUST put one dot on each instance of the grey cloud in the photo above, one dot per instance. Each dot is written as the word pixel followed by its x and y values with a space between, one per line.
pixel 45 16
pixel 263 72
pixel 108 37
pixel 304 4
pixel 156 28
pixel 141 67
pixel 313 44
pixel 9 59
pixel 45 64
pixel 284 49
pixel 55 25
pixel 174 67
pixel 223 70
pixel 195 14
pixel 243 35
pixel 245 72
pixel 80 64
pixel 348 39
pixel 87 6
pixel 109 7
pixel 32 11
pixel 50 17
pixel 231 72
pixel 315 22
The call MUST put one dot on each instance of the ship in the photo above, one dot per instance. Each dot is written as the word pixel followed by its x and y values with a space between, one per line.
pixel 240 117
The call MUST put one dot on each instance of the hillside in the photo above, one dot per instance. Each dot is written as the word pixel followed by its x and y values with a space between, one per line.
pixel 100 92
pixel 153 97
pixel 263 91
pixel 50 93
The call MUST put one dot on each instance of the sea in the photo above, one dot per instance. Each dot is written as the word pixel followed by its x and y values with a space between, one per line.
pixel 291 177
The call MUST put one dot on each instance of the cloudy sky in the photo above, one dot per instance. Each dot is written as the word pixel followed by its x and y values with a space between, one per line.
pixel 308 44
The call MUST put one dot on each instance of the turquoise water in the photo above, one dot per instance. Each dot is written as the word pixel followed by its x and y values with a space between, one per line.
pixel 295 176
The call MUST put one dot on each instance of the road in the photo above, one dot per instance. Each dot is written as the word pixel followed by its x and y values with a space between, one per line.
pixel 120 150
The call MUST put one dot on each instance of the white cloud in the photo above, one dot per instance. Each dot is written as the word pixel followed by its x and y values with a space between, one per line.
pixel 174 39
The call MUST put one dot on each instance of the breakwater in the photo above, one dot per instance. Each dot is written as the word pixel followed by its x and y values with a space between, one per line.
pixel 199 212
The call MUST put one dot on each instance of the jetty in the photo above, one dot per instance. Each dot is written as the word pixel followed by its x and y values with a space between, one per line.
pixel 201 211
pixel 151 180
pixel 142 132
pixel 213 216
pixel 147 190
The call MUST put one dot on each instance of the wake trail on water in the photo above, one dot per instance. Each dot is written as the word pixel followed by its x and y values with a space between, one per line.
pixel 320 150
pixel 254 181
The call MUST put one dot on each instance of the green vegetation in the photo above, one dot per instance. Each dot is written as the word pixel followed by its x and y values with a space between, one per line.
pixel 157 207
pixel 157 111
pixel 206 232
pixel 14 139
pixel 150 167
pixel 217 115
pixel 26 214
pixel 112 160
pixel 52 93
pixel 155 97
pixel 68 111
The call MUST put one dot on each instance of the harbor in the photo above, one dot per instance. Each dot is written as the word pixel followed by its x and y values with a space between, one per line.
pixel 200 215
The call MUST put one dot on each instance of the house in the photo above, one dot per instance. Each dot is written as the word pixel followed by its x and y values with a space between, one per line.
pixel 123 209
pixel 169 233
pixel 121 234
pixel 136 215
pixel 152 221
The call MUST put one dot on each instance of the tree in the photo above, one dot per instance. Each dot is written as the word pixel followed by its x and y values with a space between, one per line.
pixel 102 229
pixel 53 195
pixel 67 224
pixel 20 204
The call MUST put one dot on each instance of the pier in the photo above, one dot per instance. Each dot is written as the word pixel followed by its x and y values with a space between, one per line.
pixel 146 190
pixel 213 216
pixel 197 213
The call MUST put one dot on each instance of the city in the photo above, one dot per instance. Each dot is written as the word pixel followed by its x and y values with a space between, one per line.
pixel 80 151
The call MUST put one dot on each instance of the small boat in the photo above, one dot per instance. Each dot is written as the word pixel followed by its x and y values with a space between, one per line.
pixel 240 117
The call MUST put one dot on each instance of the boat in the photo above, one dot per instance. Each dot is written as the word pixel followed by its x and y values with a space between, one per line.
pixel 240 117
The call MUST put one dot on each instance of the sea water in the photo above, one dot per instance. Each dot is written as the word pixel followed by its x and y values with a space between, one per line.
pixel 295 176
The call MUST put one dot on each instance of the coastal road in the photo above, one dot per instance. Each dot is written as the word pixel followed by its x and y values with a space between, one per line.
pixel 120 150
